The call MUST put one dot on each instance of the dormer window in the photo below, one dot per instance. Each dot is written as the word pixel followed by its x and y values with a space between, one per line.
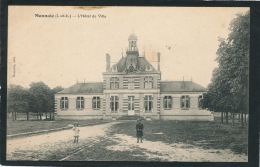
pixel 114 68
pixel 131 68
pixel 148 68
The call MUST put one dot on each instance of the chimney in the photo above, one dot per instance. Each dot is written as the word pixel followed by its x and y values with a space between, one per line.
pixel 158 56
pixel 108 61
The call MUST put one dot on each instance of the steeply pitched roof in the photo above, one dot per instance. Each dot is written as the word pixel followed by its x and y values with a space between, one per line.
pixel 142 63
pixel 165 87
pixel 84 88
pixel 181 86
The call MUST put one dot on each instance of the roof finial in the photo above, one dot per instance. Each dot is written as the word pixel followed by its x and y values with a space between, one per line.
pixel 84 80
pixel 122 53
pixel 191 79
pixel 183 78
pixel 77 80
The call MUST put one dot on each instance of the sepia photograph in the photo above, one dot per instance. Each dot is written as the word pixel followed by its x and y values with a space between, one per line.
pixel 146 84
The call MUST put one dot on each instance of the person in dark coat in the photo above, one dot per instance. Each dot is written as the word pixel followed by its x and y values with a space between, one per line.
pixel 139 130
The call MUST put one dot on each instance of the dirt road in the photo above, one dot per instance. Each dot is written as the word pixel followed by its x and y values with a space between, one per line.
pixel 59 146
pixel 53 146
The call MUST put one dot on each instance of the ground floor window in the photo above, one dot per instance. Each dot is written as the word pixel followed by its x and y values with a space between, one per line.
pixel 148 103
pixel 114 103
pixel 200 102
pixel 80 103
pixel 185 102
pixel 64 103
pixel 96 103
pixel 131 102
pixel 167 102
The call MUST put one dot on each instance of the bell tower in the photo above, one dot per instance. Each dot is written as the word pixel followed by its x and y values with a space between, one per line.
pixel 132 54
pixel 132 39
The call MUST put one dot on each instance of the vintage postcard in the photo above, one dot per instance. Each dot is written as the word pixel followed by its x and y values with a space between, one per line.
pixel 91 83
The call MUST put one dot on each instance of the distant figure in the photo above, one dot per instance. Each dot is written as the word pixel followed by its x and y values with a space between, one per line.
pixel 139 130
pixel 76 132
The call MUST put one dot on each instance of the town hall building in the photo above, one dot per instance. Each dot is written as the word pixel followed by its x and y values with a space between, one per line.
pixel 132 86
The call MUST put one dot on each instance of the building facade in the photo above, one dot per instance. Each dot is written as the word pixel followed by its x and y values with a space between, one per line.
pixel 132 86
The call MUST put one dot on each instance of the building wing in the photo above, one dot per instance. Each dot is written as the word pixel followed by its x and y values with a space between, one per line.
pixel 84 88
pixel 180 86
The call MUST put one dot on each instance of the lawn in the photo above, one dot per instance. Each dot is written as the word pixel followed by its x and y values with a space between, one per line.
pixel 22 126
pixel 209 135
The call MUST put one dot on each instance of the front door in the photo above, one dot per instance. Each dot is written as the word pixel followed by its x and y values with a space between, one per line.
pixel 131 105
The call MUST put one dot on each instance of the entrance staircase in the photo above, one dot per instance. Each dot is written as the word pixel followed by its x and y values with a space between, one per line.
pixel 129 117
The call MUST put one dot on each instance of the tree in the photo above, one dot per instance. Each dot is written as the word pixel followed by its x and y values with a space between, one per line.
pixel 41 99
pixel 228 90
pixel 18 98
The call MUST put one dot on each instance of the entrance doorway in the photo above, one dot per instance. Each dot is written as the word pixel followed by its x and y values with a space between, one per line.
pixel 131 104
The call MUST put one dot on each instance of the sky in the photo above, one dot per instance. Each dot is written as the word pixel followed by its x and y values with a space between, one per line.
pixel 61 51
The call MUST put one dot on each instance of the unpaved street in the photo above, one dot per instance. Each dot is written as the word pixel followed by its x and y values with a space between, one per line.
pixel 176 152
pixel 60 146
pixel 54 145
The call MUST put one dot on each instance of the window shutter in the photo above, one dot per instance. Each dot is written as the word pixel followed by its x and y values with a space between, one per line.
pixel 93 102
pixel 164 103
pixel 61 103
pixel 199 102
pixel 99 102
pixel 83 102
pixel 77 103
pixel 181 102
pixel 189 101
pixel 170 102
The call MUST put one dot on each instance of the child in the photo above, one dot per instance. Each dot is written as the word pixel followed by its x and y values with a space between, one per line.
pixel 139 130
pixel 76 132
